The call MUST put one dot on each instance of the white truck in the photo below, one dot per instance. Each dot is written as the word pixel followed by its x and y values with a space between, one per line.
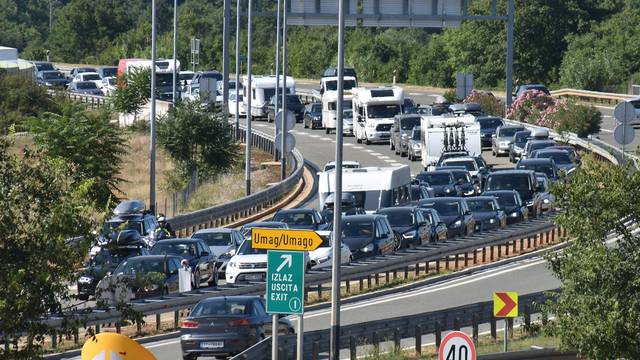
pixel 374 110
pixel 448 133
pixel 262 89
pixel 329 95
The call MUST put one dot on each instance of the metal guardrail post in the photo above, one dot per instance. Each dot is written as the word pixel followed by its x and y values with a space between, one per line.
pixel 418 339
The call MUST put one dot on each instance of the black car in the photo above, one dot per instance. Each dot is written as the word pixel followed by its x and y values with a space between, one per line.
pixel 129 215
pixel 488 126
pixel 439 230
pixel 44 66
pixel 349 206
pixel 441 182
pixel 468 187
pixel 522 181
pixel 409 106
pixel 312 116
pixel 225 326
pixel 420 192
pixel 542 165
pixel 368 235
pixel 104 262
pixel 454 212
pixel 293 104
pixel 511 203
pixel 487 212
pixel 409 225
pixel 304 219
pixel 201 262
pixel 149 275
pixel 51 78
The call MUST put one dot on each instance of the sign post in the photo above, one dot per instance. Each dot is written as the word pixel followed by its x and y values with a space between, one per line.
pixel 285 274
pixel 505 305
pixel 457 346
pixel 624 113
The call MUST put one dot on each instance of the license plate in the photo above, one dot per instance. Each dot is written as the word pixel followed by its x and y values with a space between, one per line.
pixel 253 277
pixel 211 344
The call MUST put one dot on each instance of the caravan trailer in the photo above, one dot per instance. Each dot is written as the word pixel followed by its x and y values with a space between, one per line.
pixel 262 89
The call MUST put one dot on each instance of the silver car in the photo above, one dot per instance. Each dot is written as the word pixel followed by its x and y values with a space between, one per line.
pixel 546 196
pixel 503 137
pixel 414 146
pixel 222 242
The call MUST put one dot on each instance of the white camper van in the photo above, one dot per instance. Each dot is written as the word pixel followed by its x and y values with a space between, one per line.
pixel 329 92
pixel 262 89
pixel 373 112
pixel 448 133
pixel 373 187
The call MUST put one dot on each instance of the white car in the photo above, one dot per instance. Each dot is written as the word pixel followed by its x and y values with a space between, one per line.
pixel 108 85
pixel 88 76
pixel 546 196
pixel 321 257
pixel 232 104
pixel 346 164
pixel 467 161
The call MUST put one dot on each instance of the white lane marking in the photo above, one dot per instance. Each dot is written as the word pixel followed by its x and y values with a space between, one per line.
pixel 607 116
pixel 383 157
pixel 607 131
pixel 429 290
pixel 376 154
pixel 347 144
pixel 164 343
pixel 416 94
pixel 396 164
pixel 325 139
pixel 391 160
pixel 368 150
pixel 358 147
pixel 314 136
pixel 261 125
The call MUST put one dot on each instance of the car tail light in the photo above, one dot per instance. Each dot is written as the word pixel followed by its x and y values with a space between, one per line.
pixel 239 322
pixel 189 324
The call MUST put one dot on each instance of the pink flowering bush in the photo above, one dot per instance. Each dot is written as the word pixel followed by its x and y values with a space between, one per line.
pixel 490 104
pixel 537 108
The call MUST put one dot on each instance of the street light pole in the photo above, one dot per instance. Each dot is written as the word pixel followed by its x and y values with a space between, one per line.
pixel 283 138
pixel 247 164
pixel 510 16
pixel 175 47
pixel 152 120
pixel 334 351
pixel 226 34
pixel 238 8
pixel 276 108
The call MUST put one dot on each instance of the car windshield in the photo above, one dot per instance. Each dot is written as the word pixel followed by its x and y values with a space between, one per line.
pixel 506 199
pixel 91 77
pixel 316 108
pixel 44 66
pixel 332 85
pixel 445 208
pixel 470 165
pixel 247 249
pixel 220 307
pixel 140 265
pixel 435 178
pixel 171 248
pixel 508 182
pixel 185 77
pixel 547 169
pixel 521 137
pixel 508 132
pixel 113 257
pixel 119 225
pixel 558 157
pixel 399 218
pixel 490 123
pixel 106 72
pixel 52 75
pixel 86 85
pixel 234 97
pixel 294 218
pixel 84 70
pixel 409 123
pixel 246 230
pixel 111 81
pixel 461 176
pixel 429 216
pixel 382 111
pixel 357 228
pixel 347 114
pixel 540 145
pixel 215 239
pixel 481 205
pixel 542 182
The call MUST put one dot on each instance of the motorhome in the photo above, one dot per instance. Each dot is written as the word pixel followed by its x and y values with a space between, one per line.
pixel 374 110
pixel 262 89
pixel 447 133
pixel 373 187
pixel 164 73
pixel 329 106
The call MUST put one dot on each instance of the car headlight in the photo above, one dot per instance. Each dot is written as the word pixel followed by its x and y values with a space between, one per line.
pixel 371 125
pixel 323 259
pixel 546 201
pixel 48 84
pixel 228 254
pixel 85 279
pixel 470 192
pixel 529 203
pixel 514 214
pixel 504 143
pixel 491 221
pixel 152 287
pixel 409 234
pixel 232 264
pixel 457 224
pixel 447 190
pixel 429 188
pixel 416 146
pixel 368 248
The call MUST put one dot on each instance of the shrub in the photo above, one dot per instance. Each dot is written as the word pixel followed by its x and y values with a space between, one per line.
pixel 450 96
pixel 580 119
pixel 490 104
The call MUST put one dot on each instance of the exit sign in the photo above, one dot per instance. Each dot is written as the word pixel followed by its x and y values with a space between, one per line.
pixel 285 282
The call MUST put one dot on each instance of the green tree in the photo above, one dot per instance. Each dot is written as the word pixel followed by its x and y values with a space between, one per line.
pixel 598 312
pixel 89 143
pixel 40 209
pixel 21 99
pixel 133 92
pixel 198 139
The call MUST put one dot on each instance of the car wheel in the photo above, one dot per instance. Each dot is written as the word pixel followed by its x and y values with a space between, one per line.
pixel 305 125
pixel 214 279
pixel 326 130
pixel 493 151
pixel 358 140
pixel 189 357
pixel 83 297
pixel 367 141
pixel 391 147
pixel 196 279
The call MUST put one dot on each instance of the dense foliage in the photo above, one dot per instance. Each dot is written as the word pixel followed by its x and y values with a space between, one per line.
pixel 20 99
pixel 132 92
pixel 598 311
pixel 40 209
pixel 577 43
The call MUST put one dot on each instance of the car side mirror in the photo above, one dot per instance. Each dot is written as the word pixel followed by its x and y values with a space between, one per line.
pixel 494 136
pixel 467 212
pixel 440 223
pixel 422 223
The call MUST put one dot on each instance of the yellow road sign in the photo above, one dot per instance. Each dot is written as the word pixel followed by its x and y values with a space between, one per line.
pixel 505 304
pixel 114 346
pixel 282 239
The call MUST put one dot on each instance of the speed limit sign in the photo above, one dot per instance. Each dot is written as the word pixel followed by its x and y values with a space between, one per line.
pixel 457 346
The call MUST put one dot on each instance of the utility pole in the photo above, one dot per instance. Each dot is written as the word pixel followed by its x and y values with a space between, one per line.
pixel 238 8
pixel 247 163
pixel 334 351
pixel 283 138
pixel 226 33
pixel 152 120
pixel 510 16
pixel 276 108
pixel 175 47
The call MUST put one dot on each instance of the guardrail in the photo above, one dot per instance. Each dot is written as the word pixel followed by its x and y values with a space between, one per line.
pixel 592 96
pixel 375 333
pixel 94 101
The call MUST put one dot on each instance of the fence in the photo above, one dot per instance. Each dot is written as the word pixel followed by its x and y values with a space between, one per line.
pixel 375 333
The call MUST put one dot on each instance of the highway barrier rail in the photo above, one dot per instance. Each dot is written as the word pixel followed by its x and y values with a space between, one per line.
pixel 592 96
pixel 378 332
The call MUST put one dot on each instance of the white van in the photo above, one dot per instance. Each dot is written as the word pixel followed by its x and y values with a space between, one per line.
pixel 262 89
pixel 373 187
pixel 374 110
pixel 445 133
pixel 329 92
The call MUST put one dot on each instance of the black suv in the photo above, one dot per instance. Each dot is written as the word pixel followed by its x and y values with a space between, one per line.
pixel 454 212
pixel 440 182
pixel 304 219
pixel 409 224
pixel 293 104
pixel 522 181
pixel 201 261
pixel 129 215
